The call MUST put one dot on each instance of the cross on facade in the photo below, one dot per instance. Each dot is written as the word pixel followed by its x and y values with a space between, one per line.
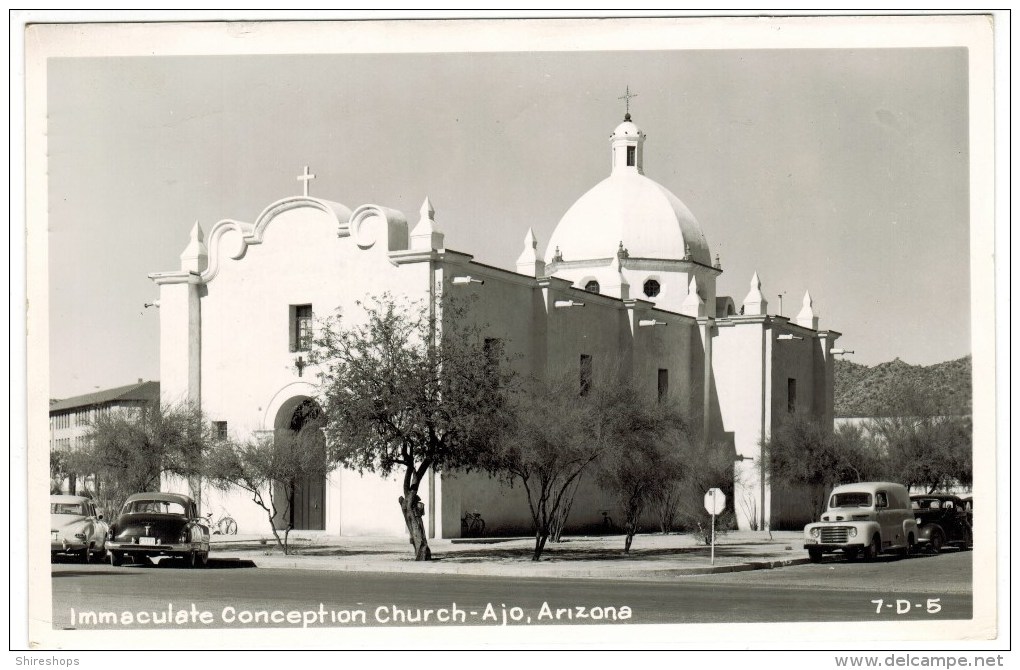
pixel 626 97
pixel 306 177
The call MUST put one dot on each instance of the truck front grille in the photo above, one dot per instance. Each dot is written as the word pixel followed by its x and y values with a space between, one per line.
pixel 836 535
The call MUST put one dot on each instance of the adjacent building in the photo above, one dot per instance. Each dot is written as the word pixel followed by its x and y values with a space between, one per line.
pixel 70 417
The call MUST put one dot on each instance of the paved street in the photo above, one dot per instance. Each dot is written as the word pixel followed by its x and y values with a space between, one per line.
pixel 926 587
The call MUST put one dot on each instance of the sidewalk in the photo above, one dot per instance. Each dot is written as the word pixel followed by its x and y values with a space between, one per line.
pixel 652 557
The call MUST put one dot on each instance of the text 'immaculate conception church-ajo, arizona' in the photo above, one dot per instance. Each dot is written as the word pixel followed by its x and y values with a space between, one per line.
pixel 627 275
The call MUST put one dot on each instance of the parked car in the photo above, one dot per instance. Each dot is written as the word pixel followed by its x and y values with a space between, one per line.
pixel 76 528
pixel 942 520
pixel 867 518
pixel 159 524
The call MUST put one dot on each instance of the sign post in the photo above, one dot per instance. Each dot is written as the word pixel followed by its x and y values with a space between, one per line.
pixel 715 501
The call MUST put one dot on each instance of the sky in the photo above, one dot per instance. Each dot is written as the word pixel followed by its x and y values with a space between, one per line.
pixel 840 171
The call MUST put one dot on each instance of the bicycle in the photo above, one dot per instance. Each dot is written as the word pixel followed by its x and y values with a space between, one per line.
pixel 472 525
pixel 225 525
pixel 607 521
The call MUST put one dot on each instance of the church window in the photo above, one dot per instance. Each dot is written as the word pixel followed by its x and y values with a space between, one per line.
pixel 663 384
pixel 300 327
pixel 791 395
pixel 585 374
pixel 631 156
pixel 652 288
pixel 592 286
pixel 220 429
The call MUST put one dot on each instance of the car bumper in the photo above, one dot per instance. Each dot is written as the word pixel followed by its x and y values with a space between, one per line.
pixel 156 549
pixel 64 546
pixel 812 544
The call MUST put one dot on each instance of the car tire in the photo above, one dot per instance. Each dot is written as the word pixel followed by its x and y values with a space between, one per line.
pixel 116 558
pixel 871 551
pixel 936 543
pixel 191 559
pixel 906 551
pixel 815 555
pixel 203 559
pixel 86 555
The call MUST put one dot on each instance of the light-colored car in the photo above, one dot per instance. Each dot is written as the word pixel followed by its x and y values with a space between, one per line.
pixel 867 518
pixel 77 528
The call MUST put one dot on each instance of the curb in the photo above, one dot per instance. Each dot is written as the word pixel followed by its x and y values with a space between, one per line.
pixel 511 571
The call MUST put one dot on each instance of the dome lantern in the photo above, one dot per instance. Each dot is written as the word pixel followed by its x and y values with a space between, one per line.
pixel 627 143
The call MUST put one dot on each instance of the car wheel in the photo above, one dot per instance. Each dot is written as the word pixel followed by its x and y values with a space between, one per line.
pixel 191 559
pixel 871 551
pixel 906 551
pixel 86 555
pixel 815 555
pixel 115 558
pixel 968 541
pixel 935 546
pixel 203 559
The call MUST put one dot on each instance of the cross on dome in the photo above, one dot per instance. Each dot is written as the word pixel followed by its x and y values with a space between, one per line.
pixel 626 97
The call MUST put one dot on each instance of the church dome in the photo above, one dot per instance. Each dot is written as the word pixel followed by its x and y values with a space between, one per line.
pixel 628 207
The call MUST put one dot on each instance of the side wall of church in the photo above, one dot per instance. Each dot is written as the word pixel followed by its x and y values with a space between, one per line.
pixel 546 341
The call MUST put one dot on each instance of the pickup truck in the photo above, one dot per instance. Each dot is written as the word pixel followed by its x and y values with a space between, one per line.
pixel 867 518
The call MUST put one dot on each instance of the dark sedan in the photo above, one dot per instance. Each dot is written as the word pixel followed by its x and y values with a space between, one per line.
pixel 159 524
pixel 941 520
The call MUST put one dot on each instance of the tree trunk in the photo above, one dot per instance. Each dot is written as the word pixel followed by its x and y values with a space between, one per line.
pixel 630 530
pixel 276 534
pixel 540 539
pixel 411 509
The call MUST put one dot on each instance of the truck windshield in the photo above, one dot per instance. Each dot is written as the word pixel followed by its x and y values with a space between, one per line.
pixel 850 500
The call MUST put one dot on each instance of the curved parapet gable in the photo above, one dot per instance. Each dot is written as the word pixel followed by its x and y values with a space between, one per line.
pixel 341 212
pixel 219 229
pixel 369 221
pixel 253 233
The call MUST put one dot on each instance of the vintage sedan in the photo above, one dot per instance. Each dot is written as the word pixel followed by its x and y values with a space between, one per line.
pixel 76 528
pixel 941 520
pixel 159 524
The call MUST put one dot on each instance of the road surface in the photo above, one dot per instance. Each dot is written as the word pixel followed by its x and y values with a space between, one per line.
pixel 230 595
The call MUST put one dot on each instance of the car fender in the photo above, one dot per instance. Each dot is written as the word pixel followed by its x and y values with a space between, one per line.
pixel 926 531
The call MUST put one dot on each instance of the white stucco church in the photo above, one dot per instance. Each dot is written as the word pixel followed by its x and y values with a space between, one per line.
pixel 627 275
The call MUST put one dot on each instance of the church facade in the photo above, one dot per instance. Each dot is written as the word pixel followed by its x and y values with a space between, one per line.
pixel 627 278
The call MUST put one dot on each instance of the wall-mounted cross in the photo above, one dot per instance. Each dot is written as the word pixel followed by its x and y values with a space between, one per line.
pixel 627 96
pixel 300 364
pixel 306 177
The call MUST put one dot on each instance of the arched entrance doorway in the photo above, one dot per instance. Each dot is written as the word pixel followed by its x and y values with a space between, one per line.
pixel 301 448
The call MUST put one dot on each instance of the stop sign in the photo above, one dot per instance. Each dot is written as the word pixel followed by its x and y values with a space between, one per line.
pixel 715 501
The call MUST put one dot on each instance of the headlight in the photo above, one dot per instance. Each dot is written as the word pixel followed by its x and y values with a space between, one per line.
pixel 852 532
pixel 185 536
pixel 815 532
pixel 918 520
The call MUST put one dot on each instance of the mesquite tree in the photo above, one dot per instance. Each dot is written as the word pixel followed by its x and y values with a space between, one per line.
pixel 651 449
pixel 131 450
pixel 407 388
pixel 801 450
pixel 560 428
pixel 270 467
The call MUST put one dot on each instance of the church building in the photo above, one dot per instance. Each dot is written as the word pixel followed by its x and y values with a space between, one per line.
pixel 627 275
